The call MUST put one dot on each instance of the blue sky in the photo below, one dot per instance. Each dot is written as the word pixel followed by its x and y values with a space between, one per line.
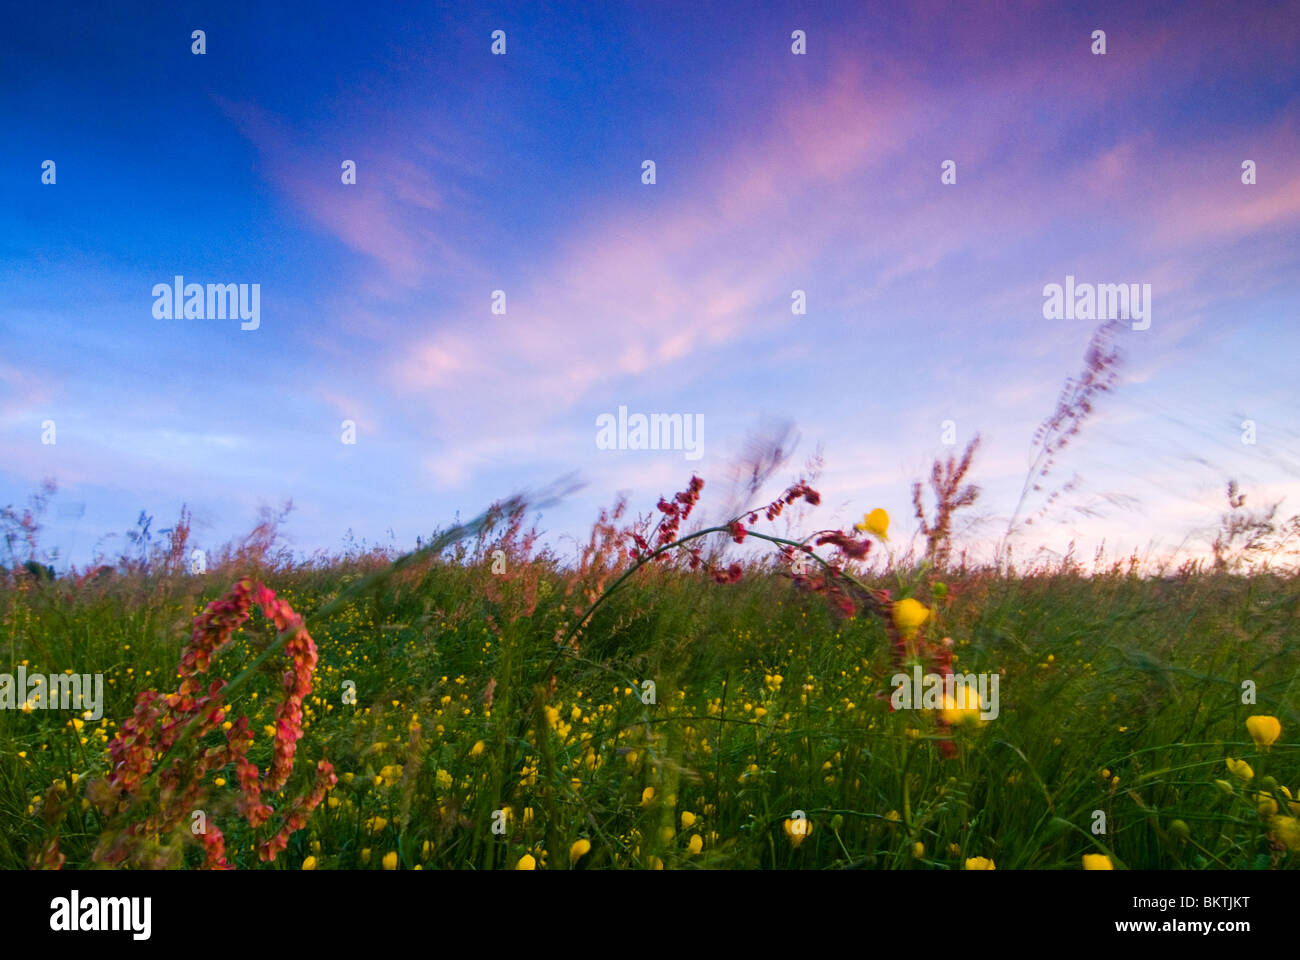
pixel 522 172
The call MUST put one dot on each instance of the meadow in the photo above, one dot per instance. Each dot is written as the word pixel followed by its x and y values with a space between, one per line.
pixel 665 699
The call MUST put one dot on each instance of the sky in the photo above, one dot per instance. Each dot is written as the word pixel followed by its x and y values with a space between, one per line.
pixel 774 171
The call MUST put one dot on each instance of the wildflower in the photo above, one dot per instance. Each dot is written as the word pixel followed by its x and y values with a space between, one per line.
pixel 1263 730
pixel 475 750
pixel 732 574
pixel 1240 769
pixel 1287 829
pixel 309 863
pixel 1294 806
pixel 526 862
pixel 390 860
pixel 979 863
pixel 964 707
pixel 160 720
pixel 876 522
pixel 579 850
pixel 1097 861
pixel 647 795
pixel 908 615
pixel 390 774
pixel 688 819
pixel 1265 805
pixel 853 548
pixel 695 844
pixel 918 849
pixel 797 829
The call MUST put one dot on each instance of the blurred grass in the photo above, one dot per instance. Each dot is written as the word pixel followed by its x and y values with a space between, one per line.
pixel 1138 677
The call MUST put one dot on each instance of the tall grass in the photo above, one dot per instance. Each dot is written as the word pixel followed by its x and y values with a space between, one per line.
pixel 508 705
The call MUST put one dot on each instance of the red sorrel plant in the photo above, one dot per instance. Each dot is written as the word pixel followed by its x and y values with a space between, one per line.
pixel 160 767
pixel 827 576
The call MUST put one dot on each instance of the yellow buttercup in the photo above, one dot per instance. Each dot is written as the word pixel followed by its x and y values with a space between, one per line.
pixel 876 522
pixel 1263 730
pixel 908 615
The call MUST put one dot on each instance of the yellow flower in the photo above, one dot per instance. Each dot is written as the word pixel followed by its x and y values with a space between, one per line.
pixel 979 863
pixel 918 849
pixel 391 774
pixel 695 844
pixel 579 850
pixel 390 860
pixel 1287 830
pixel 526 862
pixel 309 863
pixel 1240 769
pixel 475 750
pixel 797 829
pixel 688 819
pixel 1097 861
pixel 877 522
pixel 908 615
pixel 647 795
pixel 964 707
pixel 1295 807
pixel 1263 730
pixel 1265 805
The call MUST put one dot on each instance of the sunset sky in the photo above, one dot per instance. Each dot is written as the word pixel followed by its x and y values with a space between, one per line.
pixel 775 172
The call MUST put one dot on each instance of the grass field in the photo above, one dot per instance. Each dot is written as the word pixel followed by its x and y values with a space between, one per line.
pixel 719 717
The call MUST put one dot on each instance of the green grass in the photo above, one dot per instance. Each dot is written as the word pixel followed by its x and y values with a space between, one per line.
pixel 1138 677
